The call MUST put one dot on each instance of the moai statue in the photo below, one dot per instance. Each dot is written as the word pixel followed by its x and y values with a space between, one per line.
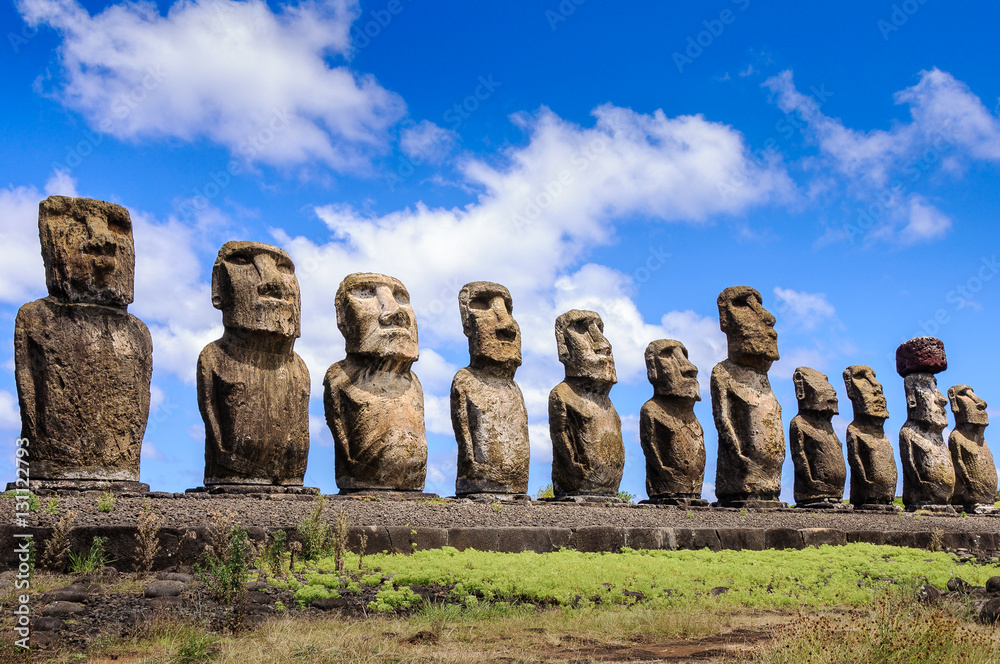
pixel 975 472
pixel 747 414
pixel 487 407
pixel 817 454
pixel 669 432
pixel 869 452
pixel 588 454
pixel 374 403
pixel 82 363
pixel 928 474
pixel 253 389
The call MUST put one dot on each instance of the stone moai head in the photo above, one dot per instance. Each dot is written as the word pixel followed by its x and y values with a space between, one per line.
pixel 583 349
pixel 375 317
pixel 749 328
pixel 865 392
pixel 88 251
pixel 967 407
pixel 670 371
pixel 254 286
pixel 924 402
pixel 814 391
pixel 488 322
pixel 917 360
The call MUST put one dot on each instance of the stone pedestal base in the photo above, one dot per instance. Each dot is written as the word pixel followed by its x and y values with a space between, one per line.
pixel 240 489
pixel 937 509
pixel 678 502
pixel 823 504
pixel 877 507
pixel 585 499
pixel 979 509
pixel 751 504
pixel 44 487
pixel 378 494
pixel 496 497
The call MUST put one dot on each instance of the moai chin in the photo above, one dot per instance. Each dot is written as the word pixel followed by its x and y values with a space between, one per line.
pixel 928 473
pixel 487 407
pixel 671 436
pixel 747 414
pixel 588 454
pixel 253 389
pixel 82 362
pixel 869 451
pixel 817 454
pixel 975 472
pixel 374 403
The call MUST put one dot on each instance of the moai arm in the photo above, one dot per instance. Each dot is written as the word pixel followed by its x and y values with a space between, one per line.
pixel 854 442
pixel 957 458
pixel 647 433
pixel 797 443
pixel 208 402
pixel 460 420
pixel 23 373
pixel 333 409
pixel 722 414
pixel 559 424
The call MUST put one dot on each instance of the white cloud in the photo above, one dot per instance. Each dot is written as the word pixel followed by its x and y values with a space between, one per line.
pixel 426 142
pixel 61 183
pixel 925 222
pixel 150 452
pixel 10 416
pixel 22 275
pixel 235 72
pixel 807 310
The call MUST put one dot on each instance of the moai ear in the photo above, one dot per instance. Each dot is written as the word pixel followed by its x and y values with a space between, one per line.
pixel 217 287
pixel 800 385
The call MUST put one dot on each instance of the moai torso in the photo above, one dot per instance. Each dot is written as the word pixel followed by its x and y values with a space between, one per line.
pixel 869 451
pixel 373 401
pixel 82 362
pixel 588 454
pixel 975 471
pixel 487 408
pixel 671 437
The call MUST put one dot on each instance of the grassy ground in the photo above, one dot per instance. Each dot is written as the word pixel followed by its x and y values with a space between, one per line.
pixel 855 603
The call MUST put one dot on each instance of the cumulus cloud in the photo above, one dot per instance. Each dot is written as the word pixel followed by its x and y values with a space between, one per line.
pixel 10 417
pixel 427 142
pixel 237 73
pixel 807 310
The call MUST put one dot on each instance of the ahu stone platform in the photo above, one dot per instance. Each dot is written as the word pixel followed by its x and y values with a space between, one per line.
pixel 411 525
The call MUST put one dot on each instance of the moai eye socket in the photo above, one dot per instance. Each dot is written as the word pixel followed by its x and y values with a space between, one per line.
pixel 363 292
pixel 239 259
pixel 480 303
pixel 402 297
pixel 285 266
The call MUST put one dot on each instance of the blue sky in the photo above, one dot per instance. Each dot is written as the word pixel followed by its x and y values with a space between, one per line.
pixel 634 159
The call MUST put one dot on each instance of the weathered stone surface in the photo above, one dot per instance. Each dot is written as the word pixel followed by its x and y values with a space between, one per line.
pixel 82 362
pixel 669 432
pixel 253 389
pixel 374 403
pixel 975 472
pixel 747 414
pixel 817 454
pixel 487 407
pixel 163 589
pixel 820 536
pixel 928 474
pixel 921 355
pixel 869 451
pixel 57 609
pixel 588 454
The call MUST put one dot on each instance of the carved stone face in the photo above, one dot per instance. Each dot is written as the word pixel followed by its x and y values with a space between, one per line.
pixel 814 391
pixel 487 320
pixel 254 285
pixel 375 317
pixel 865 392
pixel 87 250
pixel 749 328
pixel 670 371
pixel 967 407
pixel 924 403
pixel 583 350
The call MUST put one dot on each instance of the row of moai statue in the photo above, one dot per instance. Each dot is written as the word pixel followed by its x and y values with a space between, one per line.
pixel 83 366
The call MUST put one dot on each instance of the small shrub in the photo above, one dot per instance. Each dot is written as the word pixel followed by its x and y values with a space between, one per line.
pixel 53 505
pixel 279 606
pixel 147 542
pixel 274 551
pixel 57 548
pixel 389 598
pixel 316 533
pixel 196 649
pixel 626 496
pixel 545 492
pixel 92 561
pixel 106 502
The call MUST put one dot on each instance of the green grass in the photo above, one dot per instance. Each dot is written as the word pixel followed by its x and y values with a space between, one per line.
pixel 825 576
